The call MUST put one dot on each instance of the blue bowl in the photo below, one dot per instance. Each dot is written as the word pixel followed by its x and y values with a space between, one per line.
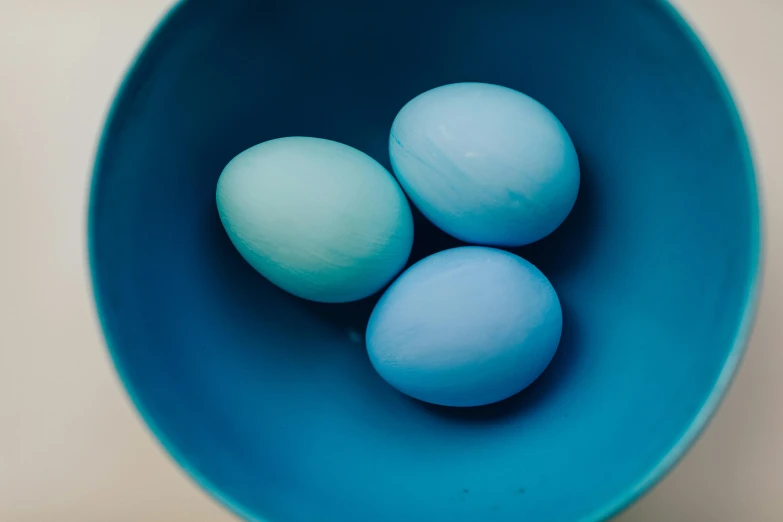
pixel 270 402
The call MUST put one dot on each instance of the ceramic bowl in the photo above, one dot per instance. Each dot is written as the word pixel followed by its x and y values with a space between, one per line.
pixel 270 402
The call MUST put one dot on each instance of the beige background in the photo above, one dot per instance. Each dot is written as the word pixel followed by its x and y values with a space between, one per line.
pixel 71 446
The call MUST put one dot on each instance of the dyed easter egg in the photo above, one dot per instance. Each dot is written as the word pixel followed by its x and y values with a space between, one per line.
pixel 486 164
pixel 317 218
pixel 465 327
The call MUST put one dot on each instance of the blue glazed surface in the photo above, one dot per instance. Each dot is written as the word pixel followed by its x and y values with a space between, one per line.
pixel 468 326
pixel 486 164
pixel 271 403
pixel 317 218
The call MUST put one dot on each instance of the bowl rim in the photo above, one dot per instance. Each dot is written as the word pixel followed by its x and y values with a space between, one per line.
pixel 710 406
pixel 624 499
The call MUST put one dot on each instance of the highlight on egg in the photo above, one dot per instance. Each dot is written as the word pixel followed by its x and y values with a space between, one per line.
pixel 465 327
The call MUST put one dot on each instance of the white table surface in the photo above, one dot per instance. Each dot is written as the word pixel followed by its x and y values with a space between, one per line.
pixel 71 446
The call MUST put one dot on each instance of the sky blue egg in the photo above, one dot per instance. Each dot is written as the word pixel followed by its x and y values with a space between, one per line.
pixel 465 327
pixel 486 164
pixel 319 219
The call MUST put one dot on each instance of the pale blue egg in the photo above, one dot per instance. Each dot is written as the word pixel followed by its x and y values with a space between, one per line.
pixel 319 219
pixel 465 327
pixel 486 164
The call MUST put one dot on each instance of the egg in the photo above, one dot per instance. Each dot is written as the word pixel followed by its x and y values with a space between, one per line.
pixel 485 164
pixel 465 327
pixel 317 218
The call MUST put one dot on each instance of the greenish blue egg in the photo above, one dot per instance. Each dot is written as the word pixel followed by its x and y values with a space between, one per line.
pixel 317 218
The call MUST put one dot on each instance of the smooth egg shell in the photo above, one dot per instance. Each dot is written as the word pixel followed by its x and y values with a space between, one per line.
pixel 319 219
pixel 465 327
pixel 486 164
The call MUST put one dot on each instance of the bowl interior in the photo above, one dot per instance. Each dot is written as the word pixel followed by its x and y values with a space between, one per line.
pixel 270 401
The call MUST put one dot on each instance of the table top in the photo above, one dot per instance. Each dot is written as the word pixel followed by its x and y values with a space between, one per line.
pixel 71 446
